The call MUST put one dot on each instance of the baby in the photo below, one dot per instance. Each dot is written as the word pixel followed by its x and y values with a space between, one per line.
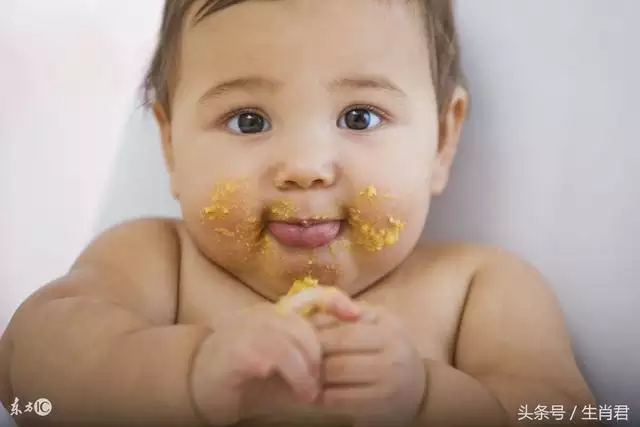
pixel 304 140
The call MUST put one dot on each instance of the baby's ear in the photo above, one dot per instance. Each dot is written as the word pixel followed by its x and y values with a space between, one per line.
pixel 451 122
pixel 164 125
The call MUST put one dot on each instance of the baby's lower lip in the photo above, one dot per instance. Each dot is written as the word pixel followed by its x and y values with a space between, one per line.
pixel 308 236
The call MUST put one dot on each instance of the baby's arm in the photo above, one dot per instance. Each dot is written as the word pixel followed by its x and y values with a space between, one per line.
pixel 512 349
pixel 100 342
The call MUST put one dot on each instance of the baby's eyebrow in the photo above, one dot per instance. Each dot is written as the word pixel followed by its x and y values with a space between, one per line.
pixel 242 83
pixel 261 83
pixel 367 82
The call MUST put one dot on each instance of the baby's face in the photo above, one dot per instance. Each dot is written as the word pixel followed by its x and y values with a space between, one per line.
pixel 304 140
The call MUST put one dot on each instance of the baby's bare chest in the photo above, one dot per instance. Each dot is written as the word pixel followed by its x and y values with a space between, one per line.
pixel 429 301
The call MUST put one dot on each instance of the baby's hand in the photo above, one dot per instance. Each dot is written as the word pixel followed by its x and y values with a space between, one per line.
pixel 320 299
pixel 258 348
pixel 372 372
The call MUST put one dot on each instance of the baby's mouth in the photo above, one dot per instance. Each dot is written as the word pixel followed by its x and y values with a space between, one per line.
pixel 305 233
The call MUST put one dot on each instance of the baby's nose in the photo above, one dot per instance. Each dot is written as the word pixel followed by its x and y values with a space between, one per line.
pixel 305 158
pixel 305 175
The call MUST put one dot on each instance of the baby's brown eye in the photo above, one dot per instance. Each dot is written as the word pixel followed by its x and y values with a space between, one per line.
pixel 359 119
pixel 248 122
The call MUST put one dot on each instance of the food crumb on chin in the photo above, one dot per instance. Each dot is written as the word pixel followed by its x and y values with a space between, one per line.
pixel 300 285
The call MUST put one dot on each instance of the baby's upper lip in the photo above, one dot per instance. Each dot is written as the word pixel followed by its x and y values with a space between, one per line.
pixel 306 222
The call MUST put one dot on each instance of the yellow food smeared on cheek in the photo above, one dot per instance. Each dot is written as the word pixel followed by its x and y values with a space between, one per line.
pixel 228 214
pixel 374 238
pixel 221 205
pixel 370 192
pixel 265 250
pixel 221 200
pixel 224 232
pixel 374 235
pixel 264 245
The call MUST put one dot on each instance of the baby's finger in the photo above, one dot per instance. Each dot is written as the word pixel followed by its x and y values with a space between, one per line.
pixel 278 355
pixel 301 332
pixel 291 364
pixel 352 338
pixel 322 321
pixel 321 299
pixel 370 313
pixel 353 370
pixel 349 399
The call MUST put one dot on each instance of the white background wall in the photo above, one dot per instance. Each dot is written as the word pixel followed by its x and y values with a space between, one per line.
pixel 68 69
pixel 548 165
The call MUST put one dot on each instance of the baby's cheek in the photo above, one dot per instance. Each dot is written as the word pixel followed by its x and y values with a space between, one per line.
pixel 377 220
pixel 229 218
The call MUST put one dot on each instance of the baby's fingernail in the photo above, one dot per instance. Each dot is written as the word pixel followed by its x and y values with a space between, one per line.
pixel 350 307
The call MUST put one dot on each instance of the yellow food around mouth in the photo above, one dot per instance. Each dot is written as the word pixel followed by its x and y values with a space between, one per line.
pixel 283 210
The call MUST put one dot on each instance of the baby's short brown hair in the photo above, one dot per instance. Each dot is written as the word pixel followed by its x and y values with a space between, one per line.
pixel 163 70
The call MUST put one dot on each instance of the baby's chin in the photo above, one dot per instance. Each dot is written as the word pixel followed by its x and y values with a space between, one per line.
pixel 342 265
pixel 278 266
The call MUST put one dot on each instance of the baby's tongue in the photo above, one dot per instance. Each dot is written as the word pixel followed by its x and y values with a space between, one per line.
pixel 301 236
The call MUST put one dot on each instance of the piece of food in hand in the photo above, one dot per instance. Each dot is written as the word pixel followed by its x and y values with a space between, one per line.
pixel 306 297
pixel 302 284
pixel 300 303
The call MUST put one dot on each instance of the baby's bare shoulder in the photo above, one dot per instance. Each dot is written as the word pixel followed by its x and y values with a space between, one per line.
pixel 142 260
pixel 429 292
pixel 483 274
pixel 134 265
pixel 505 299
pixel 434 272
pixel 462 261
pixel 499 298
pixel 453 263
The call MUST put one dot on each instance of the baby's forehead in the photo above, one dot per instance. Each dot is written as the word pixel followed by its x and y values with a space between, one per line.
pixel 360 16
pixel 198 10
pixel 307 34
pixel 302 37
